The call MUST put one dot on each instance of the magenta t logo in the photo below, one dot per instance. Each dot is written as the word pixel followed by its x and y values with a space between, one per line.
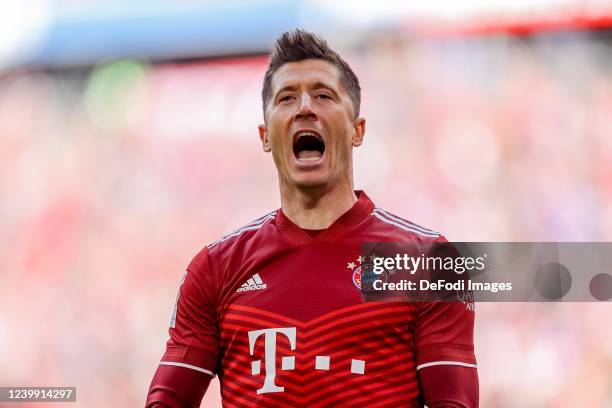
pixel 288 362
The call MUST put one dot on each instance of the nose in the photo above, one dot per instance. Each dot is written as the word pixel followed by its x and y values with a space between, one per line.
pixel 305 109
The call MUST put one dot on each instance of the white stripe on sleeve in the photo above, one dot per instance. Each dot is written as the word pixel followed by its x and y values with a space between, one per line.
pixel 437 363
pixel 172 363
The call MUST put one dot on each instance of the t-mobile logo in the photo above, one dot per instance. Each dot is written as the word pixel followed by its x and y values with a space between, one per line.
pixel 288 362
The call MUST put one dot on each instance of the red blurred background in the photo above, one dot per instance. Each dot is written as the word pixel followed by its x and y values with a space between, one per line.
pixel 113 174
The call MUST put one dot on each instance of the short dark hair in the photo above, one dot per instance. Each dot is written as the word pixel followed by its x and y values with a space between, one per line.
pixel 298 45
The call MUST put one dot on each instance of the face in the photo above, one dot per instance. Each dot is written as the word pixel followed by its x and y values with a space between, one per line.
pixel 310 126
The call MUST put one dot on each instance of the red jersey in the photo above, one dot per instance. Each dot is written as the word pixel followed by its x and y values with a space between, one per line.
pixel 277 313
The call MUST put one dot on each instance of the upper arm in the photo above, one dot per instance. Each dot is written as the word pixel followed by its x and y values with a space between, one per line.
pixel 194 331
pixel 191 357
pixel 444 351
pixel 444 334
pixel 444 348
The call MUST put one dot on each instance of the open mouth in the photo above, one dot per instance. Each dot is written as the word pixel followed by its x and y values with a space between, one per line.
pixel 308 147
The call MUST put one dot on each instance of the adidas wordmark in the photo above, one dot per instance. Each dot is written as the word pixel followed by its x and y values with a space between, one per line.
pixel 254 283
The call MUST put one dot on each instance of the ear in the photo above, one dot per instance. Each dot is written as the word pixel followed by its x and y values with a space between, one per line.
pixel 263 136
pixel 357 138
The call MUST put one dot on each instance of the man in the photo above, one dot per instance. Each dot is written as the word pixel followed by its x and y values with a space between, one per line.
pixel 275 309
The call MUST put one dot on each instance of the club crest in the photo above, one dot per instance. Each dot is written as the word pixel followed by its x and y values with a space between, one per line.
pixel 363 275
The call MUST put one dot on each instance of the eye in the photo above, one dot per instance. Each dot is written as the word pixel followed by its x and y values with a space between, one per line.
pixel 323 96
pixel 285 98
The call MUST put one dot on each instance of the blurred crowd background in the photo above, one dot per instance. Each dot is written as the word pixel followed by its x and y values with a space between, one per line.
pixel 117 168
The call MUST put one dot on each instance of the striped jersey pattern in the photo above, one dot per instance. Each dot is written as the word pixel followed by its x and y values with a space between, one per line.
pixel 365 332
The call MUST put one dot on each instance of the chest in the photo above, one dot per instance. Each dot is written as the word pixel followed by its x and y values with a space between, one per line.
pixel 301 283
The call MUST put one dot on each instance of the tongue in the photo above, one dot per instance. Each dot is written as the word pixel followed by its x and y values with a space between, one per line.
pixel 309 155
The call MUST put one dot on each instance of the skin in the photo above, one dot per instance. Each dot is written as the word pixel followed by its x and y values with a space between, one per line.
pixel 308 95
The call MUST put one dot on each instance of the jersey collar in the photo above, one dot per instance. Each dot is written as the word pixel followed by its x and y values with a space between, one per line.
pixel 360 210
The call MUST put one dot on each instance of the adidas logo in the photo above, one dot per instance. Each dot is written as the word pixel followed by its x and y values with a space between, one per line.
pixel 254 283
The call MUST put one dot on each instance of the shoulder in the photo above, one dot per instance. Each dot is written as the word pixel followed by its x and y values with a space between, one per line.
pixel 207 271
pixel 391 222
pixel 245 232
pixel 230 244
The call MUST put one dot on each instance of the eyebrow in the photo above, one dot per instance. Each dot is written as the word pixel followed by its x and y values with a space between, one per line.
pixel 316 85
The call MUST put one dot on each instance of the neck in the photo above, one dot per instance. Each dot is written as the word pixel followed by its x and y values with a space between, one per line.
pixel 317 208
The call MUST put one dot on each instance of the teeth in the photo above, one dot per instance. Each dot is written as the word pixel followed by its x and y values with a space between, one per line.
pixel 309 134
pixel 309 155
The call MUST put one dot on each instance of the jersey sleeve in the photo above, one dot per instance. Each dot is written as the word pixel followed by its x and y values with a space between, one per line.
pixel 444 333
pixel 447 386
pixel 194 330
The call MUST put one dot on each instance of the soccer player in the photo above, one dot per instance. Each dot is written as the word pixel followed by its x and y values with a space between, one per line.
pixel 275 307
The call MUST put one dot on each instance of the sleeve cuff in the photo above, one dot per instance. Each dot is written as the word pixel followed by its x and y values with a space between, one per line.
pixel 445 355
pixel 192 367
pixel 190 357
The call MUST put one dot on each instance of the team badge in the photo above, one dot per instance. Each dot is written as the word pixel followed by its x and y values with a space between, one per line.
pixel 363 273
